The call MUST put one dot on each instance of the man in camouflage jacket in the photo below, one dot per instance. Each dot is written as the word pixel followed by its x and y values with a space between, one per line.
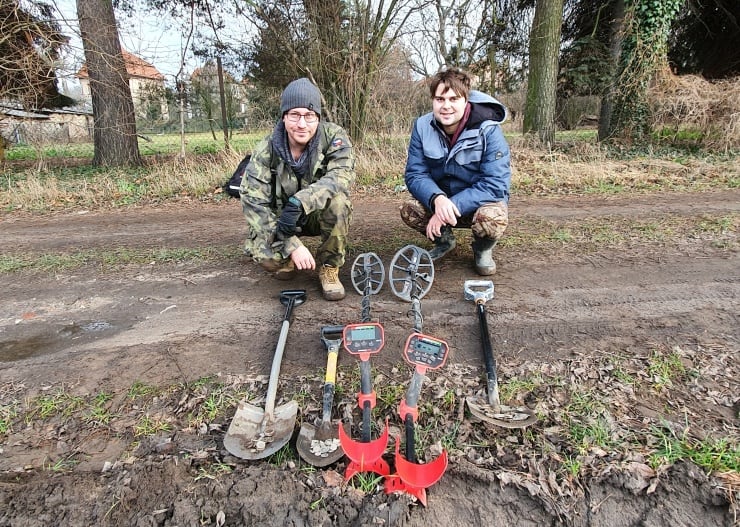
pixel 297 183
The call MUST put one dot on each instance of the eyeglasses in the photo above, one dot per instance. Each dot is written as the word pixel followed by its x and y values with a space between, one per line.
pixel 310 117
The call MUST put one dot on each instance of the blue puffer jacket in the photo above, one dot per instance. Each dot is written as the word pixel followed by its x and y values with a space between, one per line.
pixel 475 171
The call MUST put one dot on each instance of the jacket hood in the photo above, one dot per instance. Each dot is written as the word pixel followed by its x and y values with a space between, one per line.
pixel 485 108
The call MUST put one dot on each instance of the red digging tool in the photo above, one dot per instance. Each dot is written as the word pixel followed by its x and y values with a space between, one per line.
pixel 425 353
pixel 363 340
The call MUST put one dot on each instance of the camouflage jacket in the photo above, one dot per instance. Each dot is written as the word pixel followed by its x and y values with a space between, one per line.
pixel 269 181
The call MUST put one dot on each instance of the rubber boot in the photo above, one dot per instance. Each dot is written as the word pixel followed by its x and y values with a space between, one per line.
pixel 443 243
pixel 483 253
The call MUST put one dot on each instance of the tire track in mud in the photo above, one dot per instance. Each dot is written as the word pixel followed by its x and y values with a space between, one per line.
pixel 680 300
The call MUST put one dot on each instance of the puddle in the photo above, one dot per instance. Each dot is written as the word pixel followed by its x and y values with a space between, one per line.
pixel 38 345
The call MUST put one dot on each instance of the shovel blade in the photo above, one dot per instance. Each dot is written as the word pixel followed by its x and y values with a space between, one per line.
pixel 503 416
pixel 319 446
pixel 253 434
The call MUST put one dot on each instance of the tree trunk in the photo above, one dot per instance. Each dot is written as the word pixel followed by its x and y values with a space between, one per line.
pixel 114 120
pixel 615 49
pixel 644 48
pixel 544 47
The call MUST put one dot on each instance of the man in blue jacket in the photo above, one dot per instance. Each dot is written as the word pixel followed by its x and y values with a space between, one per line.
pixel 458 169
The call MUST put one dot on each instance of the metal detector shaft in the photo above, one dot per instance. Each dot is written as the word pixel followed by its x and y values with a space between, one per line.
pixel 366 389
pixel 492 380
pixel 412 401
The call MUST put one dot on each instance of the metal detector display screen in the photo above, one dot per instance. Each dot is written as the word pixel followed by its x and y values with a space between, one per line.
pixel 363 338
pixel 426 351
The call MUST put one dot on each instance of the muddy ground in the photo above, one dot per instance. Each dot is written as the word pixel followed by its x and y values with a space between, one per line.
pixel 583 327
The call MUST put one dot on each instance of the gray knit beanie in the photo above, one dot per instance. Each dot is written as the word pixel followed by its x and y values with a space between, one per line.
pixel 301 93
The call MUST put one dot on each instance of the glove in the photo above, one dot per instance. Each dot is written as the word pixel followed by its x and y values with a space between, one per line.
pixel 286 224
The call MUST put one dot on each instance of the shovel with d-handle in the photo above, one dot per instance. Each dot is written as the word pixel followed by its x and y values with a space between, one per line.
pixel 412 273
pixel 319 445
pixel 255 433
pixel 363 340
pixel 492 411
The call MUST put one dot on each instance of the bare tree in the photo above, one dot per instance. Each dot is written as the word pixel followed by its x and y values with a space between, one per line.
pixel 484 36
pixel 30 42
pixel 342 46
pixel 114 128
pixel 544 47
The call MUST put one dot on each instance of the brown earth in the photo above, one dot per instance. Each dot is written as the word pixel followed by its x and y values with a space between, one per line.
pixel 575 323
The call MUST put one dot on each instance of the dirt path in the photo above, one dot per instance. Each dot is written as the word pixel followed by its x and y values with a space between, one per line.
pixel 573 325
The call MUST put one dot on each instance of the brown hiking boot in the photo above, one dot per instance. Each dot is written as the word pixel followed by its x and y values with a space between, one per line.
pixel 330 284
pixel 283 270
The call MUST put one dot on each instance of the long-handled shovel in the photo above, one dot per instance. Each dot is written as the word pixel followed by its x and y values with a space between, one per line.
pixel 255 433
pixel 491 410
pixel 412 273
pixel 363 340
pixel 319 445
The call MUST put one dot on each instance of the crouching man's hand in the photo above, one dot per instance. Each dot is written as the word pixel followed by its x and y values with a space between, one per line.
pixel 286 224
pixel 302 258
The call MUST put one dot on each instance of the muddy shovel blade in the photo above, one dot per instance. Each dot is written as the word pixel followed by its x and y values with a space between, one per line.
pixel 503 416
pixel 254 435
pixel 318 451
pixel 319 445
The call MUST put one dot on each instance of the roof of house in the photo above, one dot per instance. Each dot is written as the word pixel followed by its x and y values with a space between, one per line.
pixel 135 67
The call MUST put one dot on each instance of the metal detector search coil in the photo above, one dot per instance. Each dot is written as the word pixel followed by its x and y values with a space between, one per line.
pixel 367 337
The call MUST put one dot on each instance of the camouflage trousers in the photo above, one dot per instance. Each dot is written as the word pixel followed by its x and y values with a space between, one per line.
pixel 488 222
pixel 331 223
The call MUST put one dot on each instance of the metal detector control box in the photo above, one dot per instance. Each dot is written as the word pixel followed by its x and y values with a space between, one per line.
pixel 423 350
pixel 367 337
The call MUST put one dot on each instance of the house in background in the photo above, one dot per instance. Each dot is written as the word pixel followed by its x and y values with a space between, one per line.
pixel 146 84
pixel 44 126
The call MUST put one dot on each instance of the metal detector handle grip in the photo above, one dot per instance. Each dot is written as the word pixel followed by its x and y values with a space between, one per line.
pixel 366 398
pixel 490 361
pixel 409 411
pixel 410 439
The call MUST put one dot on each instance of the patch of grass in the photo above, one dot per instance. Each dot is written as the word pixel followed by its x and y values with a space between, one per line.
pixel 113 259
pixel 139 389
pixel 99 412
pixel 59 403
pixel 664 368
pixel 213 471
pixel 449 438
pixel 148 425
pixel 515 389
pixel 562 235
pixel 366 482
pixel 713 455
pixel 572 466
pixel 61 465
pixel 594 433
pixel 282 456
pixel 8 413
